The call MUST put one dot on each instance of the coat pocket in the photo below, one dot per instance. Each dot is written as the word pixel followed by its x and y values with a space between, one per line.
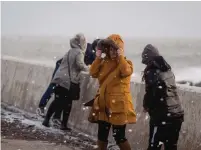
pixel 117 103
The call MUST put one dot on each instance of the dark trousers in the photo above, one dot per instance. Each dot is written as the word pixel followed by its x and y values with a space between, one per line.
pixel 118 132
pixel 47 95
pixel 167 134
pixel 61 103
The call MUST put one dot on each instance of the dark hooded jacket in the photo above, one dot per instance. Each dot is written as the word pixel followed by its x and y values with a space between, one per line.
pixel 161 98
pixel 90 53
pixel 58 63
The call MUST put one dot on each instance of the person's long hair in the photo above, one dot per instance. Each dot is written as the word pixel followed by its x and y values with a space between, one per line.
pixel 143 73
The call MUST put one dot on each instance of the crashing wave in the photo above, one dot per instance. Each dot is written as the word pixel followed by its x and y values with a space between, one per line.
pixel 190 83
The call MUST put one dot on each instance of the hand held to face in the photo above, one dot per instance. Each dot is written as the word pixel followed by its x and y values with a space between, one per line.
pixel 120 52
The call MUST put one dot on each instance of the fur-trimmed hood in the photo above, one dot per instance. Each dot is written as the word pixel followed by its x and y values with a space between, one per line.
pixel 113 41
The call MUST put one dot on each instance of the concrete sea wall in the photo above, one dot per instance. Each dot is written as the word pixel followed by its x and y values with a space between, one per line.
pixel 23 83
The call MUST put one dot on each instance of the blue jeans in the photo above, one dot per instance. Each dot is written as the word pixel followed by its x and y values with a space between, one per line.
pixel 47 95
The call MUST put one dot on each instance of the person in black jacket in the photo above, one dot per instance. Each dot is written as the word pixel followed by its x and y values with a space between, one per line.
pixel 161 101
pixel 90 53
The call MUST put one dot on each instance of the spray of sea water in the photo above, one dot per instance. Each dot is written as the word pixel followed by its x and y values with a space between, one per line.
pixel 184 55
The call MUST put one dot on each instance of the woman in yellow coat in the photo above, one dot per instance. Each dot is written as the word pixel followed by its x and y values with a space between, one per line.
pixel 113 104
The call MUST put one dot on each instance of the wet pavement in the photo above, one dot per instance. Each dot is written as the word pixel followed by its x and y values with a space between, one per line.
pixel 18 128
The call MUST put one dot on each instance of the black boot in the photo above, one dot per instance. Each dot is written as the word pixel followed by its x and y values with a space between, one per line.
pixel 66 113
pixel 57 114
pixel 65 128
pixel 49 114
pixel 46 122
pixel 64 122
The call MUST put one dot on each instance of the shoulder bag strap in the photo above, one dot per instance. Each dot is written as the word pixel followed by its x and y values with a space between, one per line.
pixel 68 65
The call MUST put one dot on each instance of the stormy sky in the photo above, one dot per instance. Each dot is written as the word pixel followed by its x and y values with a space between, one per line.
pixel 130 19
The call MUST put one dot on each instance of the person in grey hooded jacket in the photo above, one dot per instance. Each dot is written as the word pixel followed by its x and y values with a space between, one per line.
pixel 161 101
pixel 73 61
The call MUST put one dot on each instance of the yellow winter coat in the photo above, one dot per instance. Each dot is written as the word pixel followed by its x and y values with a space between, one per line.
pixel 114 101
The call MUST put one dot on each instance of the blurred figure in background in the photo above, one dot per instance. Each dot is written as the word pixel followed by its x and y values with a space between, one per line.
pixel 90 53
pixel 48 93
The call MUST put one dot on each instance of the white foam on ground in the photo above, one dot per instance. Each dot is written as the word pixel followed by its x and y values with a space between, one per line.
pixel 10 117
pixel 17 114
